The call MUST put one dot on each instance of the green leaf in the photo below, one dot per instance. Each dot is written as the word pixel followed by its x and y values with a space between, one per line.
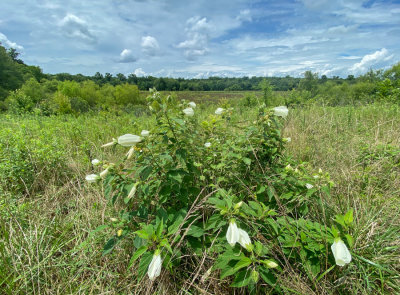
pixel 242 278
pixel 136 255
pixel 144 264
pixel 109 246
pixel 145 172
pixel 348 217
pixel 243 262
pixel 267 276
pixel 247 161
pixel 195 231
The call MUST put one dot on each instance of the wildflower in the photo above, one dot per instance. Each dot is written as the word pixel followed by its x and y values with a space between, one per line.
pixel 232 234
pixel 340 252
pixel 119 233
pixel 309 186
pixel 219 111
pixel 113 219
pixel 92 178
pixel 145 133
pixel 287 139
pixel 188 112
pixel 129 139
pixel 281 111
pixel 192 104
pixel 95 162
pixel 155 266
pixel 244 239
pixel 114 142
pixel 207 144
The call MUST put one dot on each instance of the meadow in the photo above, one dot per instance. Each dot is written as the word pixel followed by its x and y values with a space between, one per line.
pixel 52 232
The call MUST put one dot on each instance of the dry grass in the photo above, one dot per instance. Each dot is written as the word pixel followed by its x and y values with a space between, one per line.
pixel 47 245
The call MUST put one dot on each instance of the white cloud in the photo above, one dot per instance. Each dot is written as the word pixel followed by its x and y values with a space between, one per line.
pixel 139 72
pixel 150 45
pixel 126 56
pixel 4 40
pixel 244 15
pixel 75 27
pixel 197 30
pixel 370 60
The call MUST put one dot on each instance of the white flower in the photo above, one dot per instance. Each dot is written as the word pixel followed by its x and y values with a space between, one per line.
pixel 316 176
pixel 219 111
pixel 92 178
pixel 309 186
pixel 145 133
pixel 192 104
pixel 281 111
pixel 232 234
pixel 188 112
pixel 95 162
pixel 288 139
pixel 114 142
pixel 244 239
pixel 155 266
pixel 104 173
pixel 340 252
pixel 129 139
pixel 207 144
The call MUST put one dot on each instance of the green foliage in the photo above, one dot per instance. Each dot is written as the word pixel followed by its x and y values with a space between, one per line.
pixel 178 196
pixel 23 157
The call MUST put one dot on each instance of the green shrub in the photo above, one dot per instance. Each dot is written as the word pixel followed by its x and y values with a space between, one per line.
pixel 183 190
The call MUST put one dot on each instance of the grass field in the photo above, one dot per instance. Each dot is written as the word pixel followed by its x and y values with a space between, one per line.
pixel 48 212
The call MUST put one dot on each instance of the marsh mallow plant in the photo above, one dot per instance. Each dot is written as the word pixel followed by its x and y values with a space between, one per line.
pixel 240 209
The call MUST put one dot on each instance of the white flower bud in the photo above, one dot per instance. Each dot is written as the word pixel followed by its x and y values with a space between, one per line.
pixel 188 112
pixel 145 133
pixel 309 186
pixel 192 104
pixel 207 144
pixel 281 111
pixel 130 153
pixel 270 263
pixel 219 111
pixel 95 162
pixel 104 173
pixel 92 178
pixel 129 140
pixel 287 139
pixel 340 252
pixel 155 266
pixel 114 142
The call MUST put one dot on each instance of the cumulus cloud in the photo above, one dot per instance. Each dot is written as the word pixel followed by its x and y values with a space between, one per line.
pixel 126 56
pixel 139 72
pixel 150 45
pixel 76 28
pixel 369 60
pixel 4 40
pixel 198 34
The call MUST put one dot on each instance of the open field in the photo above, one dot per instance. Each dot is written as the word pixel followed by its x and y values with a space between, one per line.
pixel 48 212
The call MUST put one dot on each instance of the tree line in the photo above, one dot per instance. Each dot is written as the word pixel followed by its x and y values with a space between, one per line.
pixel 25 88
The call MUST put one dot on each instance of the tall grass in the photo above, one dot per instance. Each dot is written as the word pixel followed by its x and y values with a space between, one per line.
pixel 47 245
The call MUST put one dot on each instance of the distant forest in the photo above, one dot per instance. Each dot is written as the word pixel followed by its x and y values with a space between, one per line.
pixel 14 72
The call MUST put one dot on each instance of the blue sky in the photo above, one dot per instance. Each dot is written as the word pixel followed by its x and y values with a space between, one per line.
pixel 203 38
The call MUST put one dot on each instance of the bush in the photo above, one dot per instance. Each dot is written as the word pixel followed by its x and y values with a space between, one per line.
pixel 186 189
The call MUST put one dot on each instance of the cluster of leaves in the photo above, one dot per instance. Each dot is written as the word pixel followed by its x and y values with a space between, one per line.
pixel 178 195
